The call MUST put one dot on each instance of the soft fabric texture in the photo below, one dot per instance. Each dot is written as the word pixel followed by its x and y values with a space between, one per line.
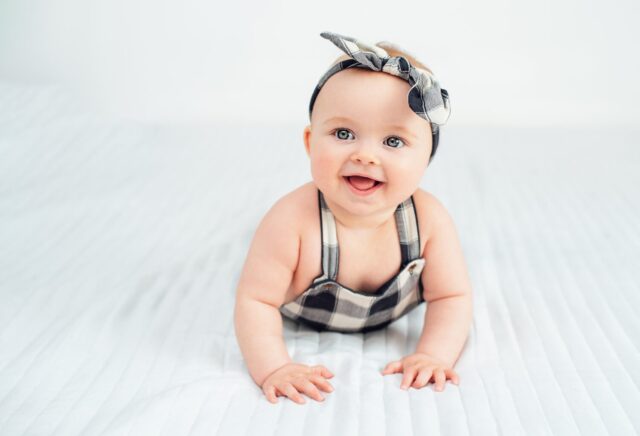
pixel 121 244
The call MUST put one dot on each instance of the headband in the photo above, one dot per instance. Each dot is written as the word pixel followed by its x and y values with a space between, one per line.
pixel 425 97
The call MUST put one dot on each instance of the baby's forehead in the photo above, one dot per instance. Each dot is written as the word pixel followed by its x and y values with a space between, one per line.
pixel 366 77
pixel 356 86
pixel 366 95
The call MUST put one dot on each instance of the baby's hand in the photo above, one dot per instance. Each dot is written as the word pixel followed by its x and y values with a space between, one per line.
pixel 293 377
pixel 422 365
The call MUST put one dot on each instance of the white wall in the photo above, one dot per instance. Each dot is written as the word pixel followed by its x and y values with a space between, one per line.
pixel 561 62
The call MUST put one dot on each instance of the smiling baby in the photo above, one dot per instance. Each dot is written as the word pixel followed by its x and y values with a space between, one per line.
pixel 361 244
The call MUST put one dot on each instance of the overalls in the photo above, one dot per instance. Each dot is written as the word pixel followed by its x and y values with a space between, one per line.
pixel 328 305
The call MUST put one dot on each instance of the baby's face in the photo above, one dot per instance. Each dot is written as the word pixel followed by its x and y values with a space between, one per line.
pixel 361 123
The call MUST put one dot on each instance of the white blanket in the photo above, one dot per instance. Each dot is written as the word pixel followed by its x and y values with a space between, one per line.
pixel 121 244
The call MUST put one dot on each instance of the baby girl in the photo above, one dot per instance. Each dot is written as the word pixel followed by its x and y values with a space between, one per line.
pixel 360 245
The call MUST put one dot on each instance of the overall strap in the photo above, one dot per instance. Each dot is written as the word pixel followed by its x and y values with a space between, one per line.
pixel 330 249
pixel 408 235
pixel 407 223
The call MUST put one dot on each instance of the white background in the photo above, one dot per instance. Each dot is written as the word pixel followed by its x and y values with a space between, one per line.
pixel 121 243
pixel 542 63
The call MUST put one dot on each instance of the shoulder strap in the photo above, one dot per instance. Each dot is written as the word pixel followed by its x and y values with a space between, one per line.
pixel 407 223
pixel 330 249
pixel 408 235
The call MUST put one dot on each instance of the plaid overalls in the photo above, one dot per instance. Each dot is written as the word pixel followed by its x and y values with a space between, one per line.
pixel 328 305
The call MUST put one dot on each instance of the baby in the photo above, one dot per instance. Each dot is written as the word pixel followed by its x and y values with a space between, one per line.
pixel 362 244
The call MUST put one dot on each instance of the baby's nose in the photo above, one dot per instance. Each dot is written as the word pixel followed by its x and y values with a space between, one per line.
pixel 365 156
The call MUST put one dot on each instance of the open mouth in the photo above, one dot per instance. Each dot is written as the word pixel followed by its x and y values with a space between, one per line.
pixel 362 184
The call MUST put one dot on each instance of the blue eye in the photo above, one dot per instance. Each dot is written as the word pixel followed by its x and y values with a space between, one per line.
pixel 395 142
pixel 342 136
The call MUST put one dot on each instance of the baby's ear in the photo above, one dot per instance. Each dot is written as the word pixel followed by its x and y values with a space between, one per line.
pixel 306 137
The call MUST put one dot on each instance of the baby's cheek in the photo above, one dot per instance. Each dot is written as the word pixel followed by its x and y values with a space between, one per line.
pixel 322 166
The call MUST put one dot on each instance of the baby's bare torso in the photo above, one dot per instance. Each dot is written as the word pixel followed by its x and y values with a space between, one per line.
pixel 367 260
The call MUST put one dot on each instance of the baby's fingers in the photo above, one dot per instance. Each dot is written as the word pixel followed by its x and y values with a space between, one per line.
pixel 440 377
pixel 321 370
pixel 409 375
pixel 321 383
pixel 310 389
pixel 270 393
pixel 453 376
pixel 423 378
pixel 291 392
pixel 392 368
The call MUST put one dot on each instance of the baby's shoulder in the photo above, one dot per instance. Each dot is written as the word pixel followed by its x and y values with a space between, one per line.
pixel 296 207
pixel 429 210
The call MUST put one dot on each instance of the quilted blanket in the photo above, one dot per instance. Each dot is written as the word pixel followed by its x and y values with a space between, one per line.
pixel 121 243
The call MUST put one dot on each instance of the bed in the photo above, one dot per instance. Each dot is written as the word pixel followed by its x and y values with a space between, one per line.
pixel 121 243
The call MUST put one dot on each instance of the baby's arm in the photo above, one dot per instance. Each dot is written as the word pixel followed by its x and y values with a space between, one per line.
pixel 447 290
pixel 264 281
pixel 265 278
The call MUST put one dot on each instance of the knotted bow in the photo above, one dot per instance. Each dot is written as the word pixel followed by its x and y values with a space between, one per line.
pixel 425 97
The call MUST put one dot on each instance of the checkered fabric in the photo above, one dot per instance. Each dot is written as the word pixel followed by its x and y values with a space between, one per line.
pixel 328 305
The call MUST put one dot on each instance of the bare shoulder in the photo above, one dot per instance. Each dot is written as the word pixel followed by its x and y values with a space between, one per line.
pixel 290 215
pixel 445 273
pixel 287 217
pixel 275 249
pixel 430 211
pixel 292 203
pixel 297 206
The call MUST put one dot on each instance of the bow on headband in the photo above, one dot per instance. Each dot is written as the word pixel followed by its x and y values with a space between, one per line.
pixel 425 97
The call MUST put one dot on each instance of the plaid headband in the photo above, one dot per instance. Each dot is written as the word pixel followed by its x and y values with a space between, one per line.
pixel 425 97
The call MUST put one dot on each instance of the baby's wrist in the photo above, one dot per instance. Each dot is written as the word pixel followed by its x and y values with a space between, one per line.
pixel 260 380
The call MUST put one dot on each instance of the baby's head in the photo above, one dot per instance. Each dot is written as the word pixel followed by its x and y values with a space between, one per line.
pixel 361 123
